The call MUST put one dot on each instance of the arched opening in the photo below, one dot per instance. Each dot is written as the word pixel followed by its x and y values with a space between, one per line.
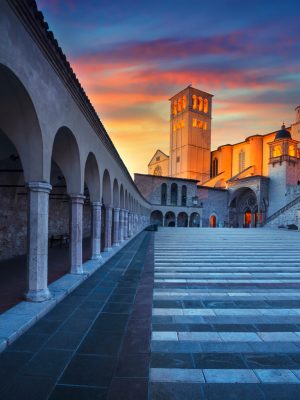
pixel 183 195
pixel 182 220
pixel 106 215
pixel 241 160
pixel 205 106
pixel 195 220
pixel 115 213
pixel 91 209
pixel 184 102
pixel 163 194
pixel 194 97
pixel 179 105
pixel 174 192
pixel 170 219
pixel 21 161
pixel 215 167
pixel 277 151
pixel 65 178
pixel 243 209
pixel 200 103
pixel 213 221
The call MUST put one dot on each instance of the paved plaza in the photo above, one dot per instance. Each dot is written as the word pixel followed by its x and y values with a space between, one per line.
pixel 222 323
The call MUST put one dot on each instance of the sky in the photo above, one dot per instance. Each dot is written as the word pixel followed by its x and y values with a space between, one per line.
pixel 132 56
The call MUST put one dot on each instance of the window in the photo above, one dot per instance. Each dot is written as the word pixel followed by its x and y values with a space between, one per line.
pixel 177 159
pixel 200 104
pixel 199 124
pixel 179 105
pixel 194 122
pixel 292 150
pixel 215 166
pixel 163 194
pixel 174 190
pixel 183 195
pixel 194 102
pixel 205 107
pixel 184 102
pixel 158 170
pixel 157 158
pixel 277 151
pixel 241 161
pixel 205 126
pixel 175 107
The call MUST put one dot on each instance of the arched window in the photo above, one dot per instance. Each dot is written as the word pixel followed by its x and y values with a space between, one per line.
pixel 179 105
pixel 184 102
pixel 175 107
pixel 194 102
pixel 200 104
pixel 241 161
pixel 215 167
pixel 292 150
pixel 213 221
pixel 174 190
pixel 163 194
pixel 205 107
pixel 277 151
pixel 158 170
pixel 183 195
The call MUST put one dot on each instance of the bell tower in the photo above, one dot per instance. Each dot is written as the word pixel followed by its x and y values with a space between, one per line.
pixel 190 134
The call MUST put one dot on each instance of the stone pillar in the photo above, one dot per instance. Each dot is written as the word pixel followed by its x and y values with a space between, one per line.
pixel 108 228
pixel 37 241
pixel 121 226
pixel 96 230
pixel 76 233
pixel 116 227
pixel 126 224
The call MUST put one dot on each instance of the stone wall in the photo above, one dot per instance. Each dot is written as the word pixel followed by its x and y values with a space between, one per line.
pixel 214 202
pixel 290 216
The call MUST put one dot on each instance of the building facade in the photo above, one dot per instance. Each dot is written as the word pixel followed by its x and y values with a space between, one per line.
pixel 260 175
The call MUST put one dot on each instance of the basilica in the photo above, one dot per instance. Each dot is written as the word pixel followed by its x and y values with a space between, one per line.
pixel 248 184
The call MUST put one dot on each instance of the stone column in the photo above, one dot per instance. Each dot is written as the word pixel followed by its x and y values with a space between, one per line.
pixel 96 230
pixel 37 241
pixel 108 227
pixel 116 227
pixel 130 224
pixel 76 212
pixel 126 224
pixel 121 226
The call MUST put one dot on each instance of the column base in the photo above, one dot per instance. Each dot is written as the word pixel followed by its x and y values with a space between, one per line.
pixel 37 296
pixel 77 270
pixel 107 249
pixel 116 245
pixel 96 257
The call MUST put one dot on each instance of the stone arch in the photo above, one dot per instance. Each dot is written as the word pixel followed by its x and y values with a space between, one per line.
pixel 174 194
pixel 106 189
pixel 170 219
pixel 163 194
pixel 243 208
pixel 156 218
pixel 182 219
pixel 183 195
pixel 19 122
pixel 65 153
pixel 213 220
pixel 92 177
pixel 194 220
pixel 122 197
pixel 116 194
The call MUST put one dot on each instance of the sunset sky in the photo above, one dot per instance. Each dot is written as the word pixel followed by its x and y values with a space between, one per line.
pixel 132 56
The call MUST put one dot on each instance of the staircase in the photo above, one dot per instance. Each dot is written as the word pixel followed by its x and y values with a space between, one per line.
pixel 226 314
pixel 282 211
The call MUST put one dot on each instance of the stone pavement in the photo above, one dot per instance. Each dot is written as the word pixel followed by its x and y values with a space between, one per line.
pixel 96 343
pixel 226 315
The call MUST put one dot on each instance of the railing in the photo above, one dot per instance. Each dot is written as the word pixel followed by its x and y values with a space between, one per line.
pixel 282 210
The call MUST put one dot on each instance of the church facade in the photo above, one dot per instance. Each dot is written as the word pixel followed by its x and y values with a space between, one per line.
pixel 246 184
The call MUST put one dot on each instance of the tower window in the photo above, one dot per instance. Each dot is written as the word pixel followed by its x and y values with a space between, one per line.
pixel 215 167
pixel 163 194
pixel 205 108
pixel 200 104
pixel 183 195
pixel 177 159
pixel 277 151
pixel 194 102
pixel 184 102
pixel 241 161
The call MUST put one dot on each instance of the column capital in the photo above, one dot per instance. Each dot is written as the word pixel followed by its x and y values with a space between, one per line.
pixel 96 204
pixel 77 198
pixel 108 206
pixel 39 187
pixel 117 209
